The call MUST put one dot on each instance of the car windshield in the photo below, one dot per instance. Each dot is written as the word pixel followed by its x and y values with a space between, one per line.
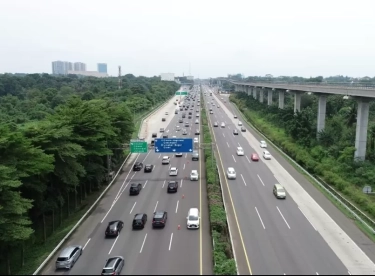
pixel 193 218
pixel 280 190
pixel 107 270
pixel 193 173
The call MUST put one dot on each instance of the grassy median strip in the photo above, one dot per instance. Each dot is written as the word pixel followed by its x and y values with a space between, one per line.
pixel 39 252
pixel 224 263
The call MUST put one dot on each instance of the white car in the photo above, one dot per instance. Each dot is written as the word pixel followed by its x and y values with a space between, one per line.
pixel 196 140
pixel 211 112
pixel 231 173
pixel 240 151
pixel 192 220
pixel 194 175
pixel 235 116
pixel 266 155
pixel 165 160
pixel 263 144
pixel 196 121
pixel 222 124
pixel 218 106
pixel 174 137
pixel 197 115
pixel 173 171
pixel 177 128
pixel 240 123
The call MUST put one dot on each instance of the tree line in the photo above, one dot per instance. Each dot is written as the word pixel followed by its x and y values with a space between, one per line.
pixel 328 154
pixel 55 136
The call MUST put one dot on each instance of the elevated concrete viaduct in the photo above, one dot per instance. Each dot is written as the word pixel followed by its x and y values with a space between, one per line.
pixel 363 95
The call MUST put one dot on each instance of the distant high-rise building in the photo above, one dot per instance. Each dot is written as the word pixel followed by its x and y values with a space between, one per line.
pixel 61 67
pixel 79 66
pixel 102 68
pixel 167 76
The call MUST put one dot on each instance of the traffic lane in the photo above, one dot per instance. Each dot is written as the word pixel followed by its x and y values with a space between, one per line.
pixel 99 248
pixel 291 211
pixel 82 235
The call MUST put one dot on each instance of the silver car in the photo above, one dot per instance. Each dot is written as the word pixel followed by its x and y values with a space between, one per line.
pixel 68 257
pixel 113 266
pixel 231 173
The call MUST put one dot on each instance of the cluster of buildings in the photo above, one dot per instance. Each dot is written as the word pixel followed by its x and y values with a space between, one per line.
pixel 171 77
pixel 78 68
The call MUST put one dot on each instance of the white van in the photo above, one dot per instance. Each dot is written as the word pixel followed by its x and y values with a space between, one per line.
pixel 192 220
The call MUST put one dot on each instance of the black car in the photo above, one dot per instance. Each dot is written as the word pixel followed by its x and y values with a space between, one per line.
pixel 165 136
pixel 114 228
pixel 135 189
pixel 138 166
pixel 183 115
pixel 159 219
pixel 189 117
pixel 139 221
pixel 154 135
pixel 163 119
pixel 180 121
pixel 216 124
pixel 178 154
pixel 172 187
pixel 235 132
pixel 197 132
pixel 243 129
pixel 149 168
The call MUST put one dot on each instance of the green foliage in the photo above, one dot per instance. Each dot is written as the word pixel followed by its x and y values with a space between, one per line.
pixel 56 134
pixel 223 256
pixel 331 155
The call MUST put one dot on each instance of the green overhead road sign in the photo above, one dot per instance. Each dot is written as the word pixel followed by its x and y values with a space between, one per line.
pixel 137 146
pixel 181 93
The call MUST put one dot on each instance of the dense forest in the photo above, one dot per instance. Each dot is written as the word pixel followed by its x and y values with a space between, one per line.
pixel 328 154
pixel 55 136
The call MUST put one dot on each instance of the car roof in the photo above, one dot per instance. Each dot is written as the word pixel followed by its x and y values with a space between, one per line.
pixel 165 157
pixel 67 250
pixel 173 168
pixel 134 184
pixel 148 165
pixel 266 151
pixel 262 141
pixel 239 148
pixel 138 216
pixel 230 169
pixel 194 171
pixel 279 186
pixel 111 261
pixel 159 214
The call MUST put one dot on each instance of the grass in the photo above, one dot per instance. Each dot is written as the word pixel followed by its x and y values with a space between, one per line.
pixel 260 121
pixel 37 253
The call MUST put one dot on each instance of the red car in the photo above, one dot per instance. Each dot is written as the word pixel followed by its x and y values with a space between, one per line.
pixel 254 157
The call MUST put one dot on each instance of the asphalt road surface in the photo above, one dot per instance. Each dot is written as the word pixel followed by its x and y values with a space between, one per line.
pixel 275 236
pixel 167 251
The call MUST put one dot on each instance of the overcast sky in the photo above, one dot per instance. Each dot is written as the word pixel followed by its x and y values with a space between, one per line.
pixel 216 37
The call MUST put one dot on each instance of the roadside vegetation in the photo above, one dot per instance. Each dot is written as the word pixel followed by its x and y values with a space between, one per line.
pixel 328 154
pixel 224 263
pixel 55 136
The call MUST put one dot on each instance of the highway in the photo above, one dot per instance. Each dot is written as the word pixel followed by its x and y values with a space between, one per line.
pixel 275 236
pixel 167 251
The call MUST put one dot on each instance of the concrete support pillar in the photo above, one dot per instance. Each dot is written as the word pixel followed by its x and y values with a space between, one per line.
pixel 235 88
pixel 261 94
pixel 270 96
pixel 361 131
pixel 297 101
pixel 281 99
pixel 255 92
pixel 248 92
pixel 321 112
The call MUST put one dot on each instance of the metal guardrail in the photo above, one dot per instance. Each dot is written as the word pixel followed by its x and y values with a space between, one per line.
pixel 67 236
pixel 357 213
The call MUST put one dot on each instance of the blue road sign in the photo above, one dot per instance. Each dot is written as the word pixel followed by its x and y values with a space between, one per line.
pixel 174 145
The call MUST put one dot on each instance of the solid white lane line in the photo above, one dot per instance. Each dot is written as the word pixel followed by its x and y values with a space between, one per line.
pixel 260 179
pixel 86 243
pixel 181 183
pixel 146 157
pixel 159 155
pixel 283 217
pixel 228 144
pixel 170 243
pixel 133 207
pixel 157 202
pixel 223 134
pixel 132 176
pixel 163 184
pixel 248 159
pixel 307 219
pixel 113 245
pixel 184 167
pixel 107 213
pixel 185 155
pixel 243 179
pixel 260 218
pixel 123 183
pixel 234 158
pixel 145 184
pixel 177 206
pixel 143 243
